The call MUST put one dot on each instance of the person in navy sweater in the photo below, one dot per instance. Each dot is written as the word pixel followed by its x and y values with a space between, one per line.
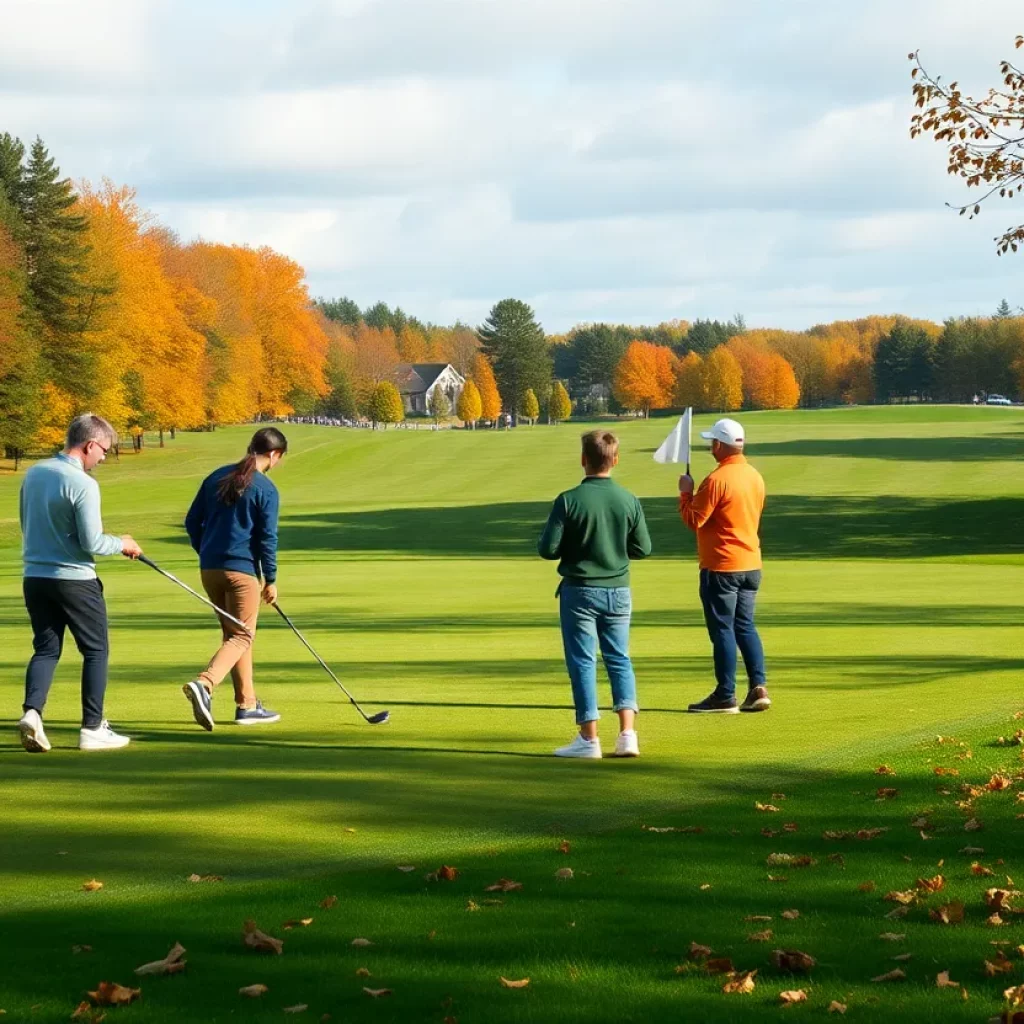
pixel 232 525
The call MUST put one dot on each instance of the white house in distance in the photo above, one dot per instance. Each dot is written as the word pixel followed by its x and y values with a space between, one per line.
pixel 417 382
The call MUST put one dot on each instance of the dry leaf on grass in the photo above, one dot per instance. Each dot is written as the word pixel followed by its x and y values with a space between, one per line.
pixel 564 873
pixel 699 952
pixel 328 901
pixel 931 884
pixel 765 936
pixel 1014 996
pixel 777 878
pixel 999 964
pixel 972 851
pixel 903 957
pixel 92 886
pixel 973 825
pixel 791 826
pixel 204 878
pixel 300 1008
pixel 445 873
pixel 793 960
pixel 942 981
pixel 951 913
pixel 363 972
pixel 741 983
pixel 999 899
pixel 504 885
pixel 905 898
pixel 867 887
pixel 253 991
pixel 377 993
pixel 921 823
pixel 109 993
pixel 790 860
pixel 756 917
pixel 361 942
pixel 884 769
pixel 406 868
pixel 791 915
pixel 171 964
pixel 946 771
pixel 897 914
pixel 887 793
pixel 995 921
pixel 766 808
pixel 836 1007
pixel 722 965
pixel 302 922
pixel 521 983
pixel 998 783
pixel 791 998
pixel 83 1011
pixel 892 937
pixel 895 975
pixel 259 941
pixel 980 871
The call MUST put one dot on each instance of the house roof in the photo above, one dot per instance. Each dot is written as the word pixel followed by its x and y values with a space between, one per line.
pixel 414 378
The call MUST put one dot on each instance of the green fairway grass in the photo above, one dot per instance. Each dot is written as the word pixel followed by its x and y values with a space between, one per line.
pixel 891 614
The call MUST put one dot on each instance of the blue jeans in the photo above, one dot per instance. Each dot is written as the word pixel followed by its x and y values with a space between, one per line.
pixel 728 599
pixel 593 616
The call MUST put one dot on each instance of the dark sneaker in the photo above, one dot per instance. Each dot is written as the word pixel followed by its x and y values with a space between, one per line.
pixel 258 715
pixel 715 706
pixel 202 704
pixel 756 700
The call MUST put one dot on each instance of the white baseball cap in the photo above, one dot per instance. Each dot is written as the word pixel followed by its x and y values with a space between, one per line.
pixel 727 431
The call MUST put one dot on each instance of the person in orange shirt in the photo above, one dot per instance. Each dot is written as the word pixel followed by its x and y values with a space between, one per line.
pixel 725 513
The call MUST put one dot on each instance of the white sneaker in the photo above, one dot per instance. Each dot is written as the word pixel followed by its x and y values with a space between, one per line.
pixel 101 738
pixel 580 748
pixel 626 745
pixel 33 739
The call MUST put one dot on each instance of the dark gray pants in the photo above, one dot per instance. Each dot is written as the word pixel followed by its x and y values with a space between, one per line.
pixel 53 607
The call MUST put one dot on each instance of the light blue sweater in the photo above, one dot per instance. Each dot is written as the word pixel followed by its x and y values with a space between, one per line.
pixel 61 522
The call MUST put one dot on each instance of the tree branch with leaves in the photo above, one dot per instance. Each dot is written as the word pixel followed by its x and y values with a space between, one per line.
pixel 984 137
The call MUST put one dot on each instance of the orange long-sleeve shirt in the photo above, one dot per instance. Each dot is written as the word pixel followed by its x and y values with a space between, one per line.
pixel 725 513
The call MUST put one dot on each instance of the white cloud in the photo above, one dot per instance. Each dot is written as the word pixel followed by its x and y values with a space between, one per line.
pixel 623 159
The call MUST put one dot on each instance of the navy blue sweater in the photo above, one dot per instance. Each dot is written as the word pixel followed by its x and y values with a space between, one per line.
pixel 240 537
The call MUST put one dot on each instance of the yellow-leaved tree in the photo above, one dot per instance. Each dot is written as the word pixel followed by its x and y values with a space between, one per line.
pixel 529 407
pixel 722 380
pixel 690 382
pixel 469 408
pixel 559 404
pixel 490 398
pixel 386 404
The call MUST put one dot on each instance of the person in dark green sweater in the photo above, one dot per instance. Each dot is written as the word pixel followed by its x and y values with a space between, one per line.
pixel 593 531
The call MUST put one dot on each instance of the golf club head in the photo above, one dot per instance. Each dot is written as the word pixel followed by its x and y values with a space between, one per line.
pixel 380 718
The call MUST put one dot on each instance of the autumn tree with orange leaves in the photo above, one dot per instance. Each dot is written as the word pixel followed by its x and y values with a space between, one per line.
pixel 645 377
pixel 490 398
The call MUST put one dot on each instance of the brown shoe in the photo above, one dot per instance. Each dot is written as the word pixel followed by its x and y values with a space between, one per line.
pixel 756 700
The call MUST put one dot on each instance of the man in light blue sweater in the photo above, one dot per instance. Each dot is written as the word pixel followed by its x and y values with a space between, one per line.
pixel 63 531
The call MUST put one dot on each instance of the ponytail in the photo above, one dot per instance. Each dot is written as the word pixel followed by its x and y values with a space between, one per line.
pixel 237 482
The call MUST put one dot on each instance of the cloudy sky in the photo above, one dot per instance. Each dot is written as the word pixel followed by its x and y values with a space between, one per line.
pixel 625 160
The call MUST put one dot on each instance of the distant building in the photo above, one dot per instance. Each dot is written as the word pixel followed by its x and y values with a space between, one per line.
pixel 416 383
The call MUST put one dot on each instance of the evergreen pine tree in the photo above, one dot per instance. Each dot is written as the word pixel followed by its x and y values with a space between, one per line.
pixel 55 256
pixel 1004 311
pixel 440 407
pixel 518 350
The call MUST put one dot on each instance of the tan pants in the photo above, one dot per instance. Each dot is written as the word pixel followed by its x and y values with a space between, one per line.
pixel 239 594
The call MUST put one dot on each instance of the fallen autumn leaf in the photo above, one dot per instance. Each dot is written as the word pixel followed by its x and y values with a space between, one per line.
pixel 253 991
pixel 171 964
pixel 109 993
pixel 521 983
pixel 793 997
pixel 260 941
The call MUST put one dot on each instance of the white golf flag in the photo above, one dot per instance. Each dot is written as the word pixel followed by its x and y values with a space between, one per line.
pixel 676 447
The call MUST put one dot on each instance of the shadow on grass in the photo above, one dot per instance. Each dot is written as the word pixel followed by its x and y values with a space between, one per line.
pixel 983 448
pixel 624 921
pixel 794 527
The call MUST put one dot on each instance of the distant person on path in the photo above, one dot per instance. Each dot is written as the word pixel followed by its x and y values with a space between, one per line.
pixel 232 525
pixel 595 529
pixel 725 513
pixel 63 531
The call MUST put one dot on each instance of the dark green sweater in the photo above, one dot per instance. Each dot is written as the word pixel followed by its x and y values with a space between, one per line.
pixel 595 529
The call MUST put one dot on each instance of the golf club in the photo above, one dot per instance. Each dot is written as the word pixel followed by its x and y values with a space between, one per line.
pixel 378 719
pixel 184 586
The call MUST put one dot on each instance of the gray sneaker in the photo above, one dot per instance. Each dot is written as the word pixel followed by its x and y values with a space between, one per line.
pixel 258 715
pixel 756 700
pixel 714 706
pixel 202 703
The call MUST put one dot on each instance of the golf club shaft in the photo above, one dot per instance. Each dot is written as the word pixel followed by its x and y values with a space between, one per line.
pixel 194 593
pixel 323 664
